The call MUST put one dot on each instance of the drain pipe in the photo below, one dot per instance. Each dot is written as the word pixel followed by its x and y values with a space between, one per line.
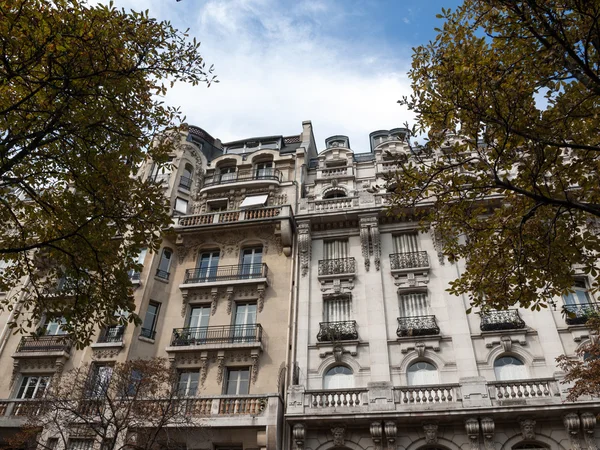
pixel 17 309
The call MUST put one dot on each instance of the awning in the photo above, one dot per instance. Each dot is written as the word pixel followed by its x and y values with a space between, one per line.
pixel 254 201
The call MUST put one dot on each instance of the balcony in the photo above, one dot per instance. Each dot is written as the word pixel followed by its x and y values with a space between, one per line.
pixel 229 217
pixel 413 260
pixel 185 183
pixel 337 266
pixel 337 331
pixel 505 391
pixel 417 326
pixel 162 274
pixel 508 319
pixel 148 333
pixel 247 177
pixel 200 339
pixel 580 313
pixel 112 335
pixel 335 172
pixel 226 273
pixel 333 204
pixel 37 345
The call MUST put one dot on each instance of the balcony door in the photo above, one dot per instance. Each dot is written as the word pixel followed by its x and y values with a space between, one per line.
pixel 335 249
pixel 207 266
pixel 406 243
pixel 198 323
pixel 264 169
pixel 580 296
pixel 337 309
pixel 54 327
pixel 251 262
pixel 413 304
pixel 227 174
pixel 244 329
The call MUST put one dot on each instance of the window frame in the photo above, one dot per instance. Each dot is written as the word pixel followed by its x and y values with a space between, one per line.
pixel 160 263
pixel 23 386
pixel 239 371
pixel 410 379
pixel 328 377
pixel 154 318
pixel 188 383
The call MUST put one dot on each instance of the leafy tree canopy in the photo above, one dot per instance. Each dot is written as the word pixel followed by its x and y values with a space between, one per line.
pixel 508 94
pixel 80 105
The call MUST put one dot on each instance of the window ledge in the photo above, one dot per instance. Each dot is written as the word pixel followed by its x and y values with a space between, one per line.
pixel 107 344
pixel 162 280
pixel 145 339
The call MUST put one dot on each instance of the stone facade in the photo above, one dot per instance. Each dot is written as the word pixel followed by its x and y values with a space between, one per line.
pixel 285 265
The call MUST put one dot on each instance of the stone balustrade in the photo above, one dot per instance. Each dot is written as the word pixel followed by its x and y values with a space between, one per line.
pixel 524 389
pixel 335 172
pixel 269 212
pixel 434 394
pixel 337 398
pixel 333 204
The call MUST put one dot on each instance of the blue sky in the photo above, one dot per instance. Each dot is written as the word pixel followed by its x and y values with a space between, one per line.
pixel 340 63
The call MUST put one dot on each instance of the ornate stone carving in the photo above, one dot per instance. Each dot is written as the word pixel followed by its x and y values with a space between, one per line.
pixel 588 423
pixel 506 343
pixel 299 433
pixel 214 296
pixel 420 349
pixel 229 299
pixel 391 430
pixel 254 370
pixel 261 297
pixel 220 367
pixel 436 237
pixel 105 353
pixel 304 246
pixel 488 427
pixel 339 436
pixel 369 241
pixel 376 434
pixel 203 368
pixel 364 245
pixel 472 429
pixel 431 430
pixel 527 429
pixel 572 425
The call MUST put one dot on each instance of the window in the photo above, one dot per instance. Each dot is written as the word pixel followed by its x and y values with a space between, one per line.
pixel 162 173
pixel 188 383
pixel 165 264
pixel 181 205
pixel 185 181
pixel 150 319
pixel 421 373
pixel 580 296
pixel 338 193
pixel 217 206
pixel 54 327
pixel 509 368
pixel 133 274
pixel 338 377
pixel 406 243
pixel 337 309
pixel 208 263
pixel 245 322
pixel 335 249
pixel 99 380
pixel 264 169
pixel 197 323
pixel 237 381
pixel 33 386
pixel 80 444
pixel 413 304
pixel 227 173
pixel 251 261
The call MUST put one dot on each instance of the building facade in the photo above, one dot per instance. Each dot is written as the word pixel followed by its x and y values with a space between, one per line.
pixel 299 314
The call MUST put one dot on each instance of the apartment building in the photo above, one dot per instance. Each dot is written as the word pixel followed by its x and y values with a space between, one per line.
pixel 299 314
pixel 384 357
pixel 215 300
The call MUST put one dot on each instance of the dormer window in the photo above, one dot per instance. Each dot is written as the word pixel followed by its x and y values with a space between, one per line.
pixel 227 173
pixel 264 169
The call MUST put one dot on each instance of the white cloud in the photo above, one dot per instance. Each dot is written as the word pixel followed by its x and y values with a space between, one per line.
pixel 278 66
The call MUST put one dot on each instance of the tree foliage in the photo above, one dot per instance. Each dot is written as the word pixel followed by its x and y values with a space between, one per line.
pixel 81 92
pixel 508 95
pixel 134 405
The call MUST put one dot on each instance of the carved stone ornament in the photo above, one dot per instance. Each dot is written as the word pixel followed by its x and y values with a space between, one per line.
pixel 488 428
pixel 472 429
pixel 436 237
pixel 254 370
pixel 304 246
pixel 588 423
pixel 229 299
pixel 339 436
pixel 261 297
pixel 203 369
pixel 527 429
pixel 376 434
pixel 299 434
pixel 420 349
pixel 391 430
pixel 214 296
pixel 572 425
pixel 370 241
pixel 430 430
pixel 220 367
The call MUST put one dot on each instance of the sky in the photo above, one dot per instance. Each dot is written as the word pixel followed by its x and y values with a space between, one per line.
pixel 342 64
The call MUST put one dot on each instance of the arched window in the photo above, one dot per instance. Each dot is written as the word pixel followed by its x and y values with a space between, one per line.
pixel 422 372
pixel 186 178
pixel 338 377
pixel 264 169
pixel 509 368
pixel 336 193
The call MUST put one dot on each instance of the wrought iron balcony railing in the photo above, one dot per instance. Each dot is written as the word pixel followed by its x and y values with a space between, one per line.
pixel 580 313
pixel 417 326
pixel 410 260
pixel 226 273
pixel 162 274
pixel 337 331
pixel 134 276
pixel 337 266
pixel 508 319
pixel 216 335
pixel 112 334
pixel 42 344
pixel 243 175
pixel 148 333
